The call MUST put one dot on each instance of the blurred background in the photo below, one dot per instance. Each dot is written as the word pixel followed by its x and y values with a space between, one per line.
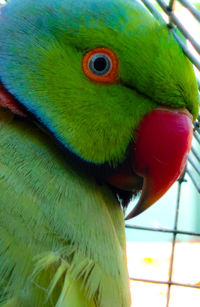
pixel 163 243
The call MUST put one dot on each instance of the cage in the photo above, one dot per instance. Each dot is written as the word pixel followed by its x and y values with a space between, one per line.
pixel 167 273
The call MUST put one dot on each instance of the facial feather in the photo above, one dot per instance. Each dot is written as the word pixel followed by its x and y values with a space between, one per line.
pixel 41 60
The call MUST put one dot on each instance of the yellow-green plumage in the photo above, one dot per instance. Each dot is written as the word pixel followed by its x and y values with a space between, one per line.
pixel 55 247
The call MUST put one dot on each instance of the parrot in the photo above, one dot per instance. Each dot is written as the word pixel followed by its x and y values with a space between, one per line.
pixel 97 101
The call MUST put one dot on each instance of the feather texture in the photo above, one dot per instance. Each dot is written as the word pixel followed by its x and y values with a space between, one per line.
pixel 61 234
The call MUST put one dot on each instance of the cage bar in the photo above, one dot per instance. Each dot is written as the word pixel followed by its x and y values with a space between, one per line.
pixel 193 166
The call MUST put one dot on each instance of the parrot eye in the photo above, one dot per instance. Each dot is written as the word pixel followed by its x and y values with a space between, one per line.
pixel 101 65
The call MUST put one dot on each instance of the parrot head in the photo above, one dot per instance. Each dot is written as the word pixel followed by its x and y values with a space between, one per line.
pixel 108 82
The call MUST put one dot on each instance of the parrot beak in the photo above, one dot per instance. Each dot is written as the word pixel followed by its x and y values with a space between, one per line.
pixel 160 153
pixel 9 102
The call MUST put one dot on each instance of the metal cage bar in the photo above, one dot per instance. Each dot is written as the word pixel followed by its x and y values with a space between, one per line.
pixel 193 165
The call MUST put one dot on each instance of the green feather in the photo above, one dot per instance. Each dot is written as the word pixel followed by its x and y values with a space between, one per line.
pixel 61 234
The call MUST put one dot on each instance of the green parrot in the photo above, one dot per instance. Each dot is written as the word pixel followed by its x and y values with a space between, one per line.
pixel 97 101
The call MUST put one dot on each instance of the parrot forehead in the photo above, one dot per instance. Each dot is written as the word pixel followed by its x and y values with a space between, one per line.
pixel 74 18
pixel 110 12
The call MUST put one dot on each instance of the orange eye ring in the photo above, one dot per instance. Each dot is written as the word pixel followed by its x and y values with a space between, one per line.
pixel 101 65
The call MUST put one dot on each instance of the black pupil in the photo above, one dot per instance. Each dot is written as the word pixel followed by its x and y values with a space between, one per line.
pixel 100 64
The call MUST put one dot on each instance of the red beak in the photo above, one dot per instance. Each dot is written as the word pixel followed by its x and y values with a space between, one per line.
pixel 160 153
pixel 158 157
pixel 8 101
